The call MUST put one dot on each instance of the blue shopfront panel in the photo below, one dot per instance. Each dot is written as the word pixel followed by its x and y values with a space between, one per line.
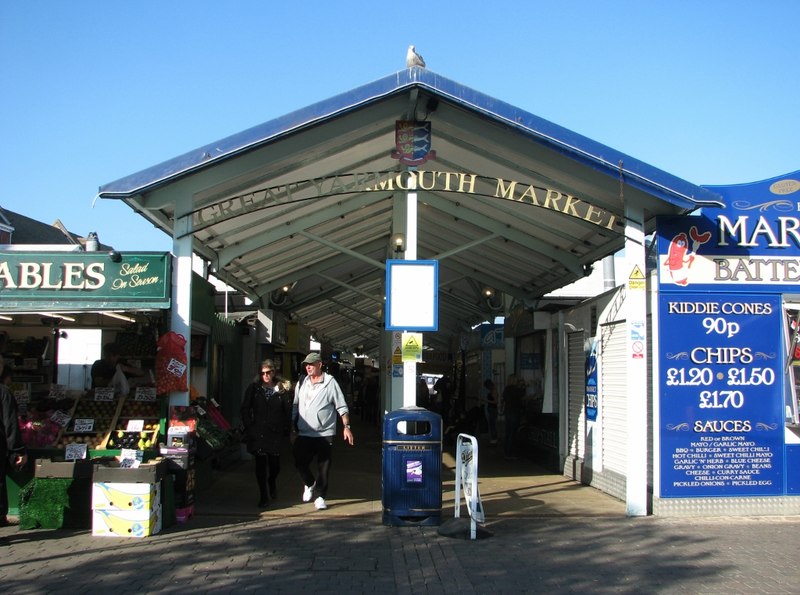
pixel 721 395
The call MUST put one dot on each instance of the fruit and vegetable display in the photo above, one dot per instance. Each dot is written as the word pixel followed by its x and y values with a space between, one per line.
pixel 136 345
pixel 215 436
pixel 146 438
pixel 89 423
pixel 38 430
pixel 134 440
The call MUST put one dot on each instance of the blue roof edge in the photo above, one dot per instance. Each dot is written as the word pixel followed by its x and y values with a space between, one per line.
pixel 596 155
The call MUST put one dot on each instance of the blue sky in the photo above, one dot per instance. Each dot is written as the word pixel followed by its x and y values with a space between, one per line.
pixel 95 90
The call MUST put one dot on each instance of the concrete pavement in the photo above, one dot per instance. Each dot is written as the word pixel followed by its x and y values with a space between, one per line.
pixel 546 534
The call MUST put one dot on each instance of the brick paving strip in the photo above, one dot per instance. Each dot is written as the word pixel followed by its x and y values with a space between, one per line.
pixel 327 554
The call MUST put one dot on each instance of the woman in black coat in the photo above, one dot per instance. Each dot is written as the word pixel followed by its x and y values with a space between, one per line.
pixel 266 413
pixel 12 449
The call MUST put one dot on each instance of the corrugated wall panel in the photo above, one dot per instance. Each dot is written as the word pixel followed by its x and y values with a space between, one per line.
pixel 613 400
pixel 576 374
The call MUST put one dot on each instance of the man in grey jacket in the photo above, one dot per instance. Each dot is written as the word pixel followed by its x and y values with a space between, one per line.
pixel 317 401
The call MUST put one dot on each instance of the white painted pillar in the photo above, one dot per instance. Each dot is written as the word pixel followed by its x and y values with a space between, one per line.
pixel 635 307
pixel 181 314
pixel 410 368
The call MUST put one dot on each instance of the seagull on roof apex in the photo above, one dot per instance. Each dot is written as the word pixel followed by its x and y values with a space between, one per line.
pixel 413 58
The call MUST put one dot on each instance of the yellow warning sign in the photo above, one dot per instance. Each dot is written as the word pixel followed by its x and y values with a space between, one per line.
pixel 636 279
pixel 412 347
pixel 397 356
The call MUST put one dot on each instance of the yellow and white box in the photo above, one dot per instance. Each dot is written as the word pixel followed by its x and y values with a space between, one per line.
pixel 126 496
pixel 125 523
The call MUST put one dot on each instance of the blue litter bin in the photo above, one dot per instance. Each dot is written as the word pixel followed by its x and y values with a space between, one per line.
pixel 412 467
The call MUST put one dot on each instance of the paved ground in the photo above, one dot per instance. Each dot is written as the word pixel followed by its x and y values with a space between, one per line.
pixel 543 534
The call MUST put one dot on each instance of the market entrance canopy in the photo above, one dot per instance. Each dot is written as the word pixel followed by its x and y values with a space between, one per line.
pixel 299 213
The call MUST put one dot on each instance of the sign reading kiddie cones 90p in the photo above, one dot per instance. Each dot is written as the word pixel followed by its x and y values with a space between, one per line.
pixel 84 280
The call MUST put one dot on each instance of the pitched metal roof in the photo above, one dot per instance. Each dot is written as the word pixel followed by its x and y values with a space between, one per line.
pixel 29 231
pixel 307 201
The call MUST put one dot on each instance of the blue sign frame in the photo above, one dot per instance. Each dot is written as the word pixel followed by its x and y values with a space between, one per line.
pixel 412 295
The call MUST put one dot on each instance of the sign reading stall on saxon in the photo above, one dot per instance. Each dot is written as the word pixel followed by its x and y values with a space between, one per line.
pixel 722 274
pixel 84 280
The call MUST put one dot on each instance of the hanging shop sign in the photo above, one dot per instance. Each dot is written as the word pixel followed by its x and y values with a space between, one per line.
pixel 47 281
pixel 751 241
pixel 591 398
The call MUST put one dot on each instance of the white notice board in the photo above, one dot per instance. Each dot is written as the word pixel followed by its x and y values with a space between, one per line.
pixel 412 295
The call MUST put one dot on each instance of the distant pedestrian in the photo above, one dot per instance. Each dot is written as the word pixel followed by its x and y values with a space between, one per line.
pixel 444 389
pixel 423 393
pixel 490 409
pixel 317 401
pixel 266 415
pixel 371 390
pixel 511 407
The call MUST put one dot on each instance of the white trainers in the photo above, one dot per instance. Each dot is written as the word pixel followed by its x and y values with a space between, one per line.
pixel 319 503
pixel 308 492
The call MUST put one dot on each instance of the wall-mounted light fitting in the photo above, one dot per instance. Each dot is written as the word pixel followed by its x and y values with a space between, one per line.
pixel 399 243
pixel 488 292
pixel 115 256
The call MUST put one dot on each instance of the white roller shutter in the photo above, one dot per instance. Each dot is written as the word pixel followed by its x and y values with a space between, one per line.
pixel 576 374
pixel 650 443
pixel 613 400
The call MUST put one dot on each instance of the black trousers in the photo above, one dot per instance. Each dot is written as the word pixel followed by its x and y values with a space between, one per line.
pixel 305 449
pixel 267 468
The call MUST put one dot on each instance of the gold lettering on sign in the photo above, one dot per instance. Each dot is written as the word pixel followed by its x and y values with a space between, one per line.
pixel 67 276
pixel 392 181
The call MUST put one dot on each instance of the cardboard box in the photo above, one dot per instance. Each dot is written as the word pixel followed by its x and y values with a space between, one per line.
pixel 180 437
pixel 125 523
pixel 178 458
pixel 81 469
pixel 152 472
pixel 126 496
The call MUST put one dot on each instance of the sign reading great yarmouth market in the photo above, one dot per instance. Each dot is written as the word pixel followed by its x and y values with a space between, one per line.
pixel 44 281
pixel 391 181
pixel 722 362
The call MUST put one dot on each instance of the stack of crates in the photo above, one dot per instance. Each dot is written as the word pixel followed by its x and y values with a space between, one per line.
pixel 127 502
pixel 179 454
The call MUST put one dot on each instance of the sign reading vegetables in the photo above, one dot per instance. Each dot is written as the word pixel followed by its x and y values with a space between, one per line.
pixel 84 280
